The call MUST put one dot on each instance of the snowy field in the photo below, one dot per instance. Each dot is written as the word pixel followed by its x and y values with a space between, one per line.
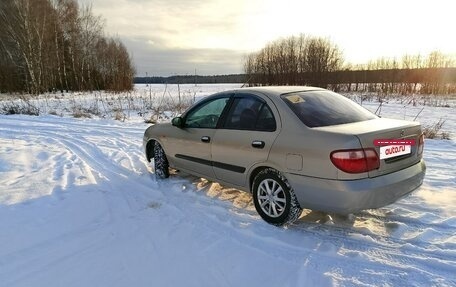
pixel 80 206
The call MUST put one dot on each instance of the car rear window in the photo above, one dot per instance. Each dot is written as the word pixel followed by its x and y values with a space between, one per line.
pixel 325 108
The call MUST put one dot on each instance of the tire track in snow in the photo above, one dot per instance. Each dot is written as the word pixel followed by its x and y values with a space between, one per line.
pixel 74 140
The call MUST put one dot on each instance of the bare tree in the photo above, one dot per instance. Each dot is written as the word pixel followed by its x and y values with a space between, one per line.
pixel 285 61
pixel 52 44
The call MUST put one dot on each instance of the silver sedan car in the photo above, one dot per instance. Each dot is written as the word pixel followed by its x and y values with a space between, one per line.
pixel 292 148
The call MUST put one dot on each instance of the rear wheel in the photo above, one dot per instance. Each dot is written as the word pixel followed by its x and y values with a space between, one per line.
pixel 161 164
pixel 274 198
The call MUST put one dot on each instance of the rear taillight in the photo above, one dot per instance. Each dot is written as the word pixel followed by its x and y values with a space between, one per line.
pixel 421 145
pixel 355 160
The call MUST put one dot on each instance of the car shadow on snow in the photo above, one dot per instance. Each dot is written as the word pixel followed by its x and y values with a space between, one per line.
pixel 375 222
pixel 238 199
pixel 365 222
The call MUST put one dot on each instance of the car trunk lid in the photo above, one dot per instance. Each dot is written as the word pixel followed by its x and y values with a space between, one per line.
pixel 384 129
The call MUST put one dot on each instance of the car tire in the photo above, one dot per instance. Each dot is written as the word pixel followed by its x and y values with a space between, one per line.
pixel 161 164
pixel 274 198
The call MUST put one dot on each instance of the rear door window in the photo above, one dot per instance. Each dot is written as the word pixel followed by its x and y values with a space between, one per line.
pixel 250 113
pixel 325 108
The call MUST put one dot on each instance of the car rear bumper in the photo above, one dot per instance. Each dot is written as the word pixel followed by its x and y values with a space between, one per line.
pixel 348 196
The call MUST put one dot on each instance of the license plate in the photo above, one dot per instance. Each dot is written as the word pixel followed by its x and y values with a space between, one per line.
pixel 390 151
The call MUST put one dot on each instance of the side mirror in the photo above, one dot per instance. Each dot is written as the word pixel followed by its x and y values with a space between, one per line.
pixel 178 122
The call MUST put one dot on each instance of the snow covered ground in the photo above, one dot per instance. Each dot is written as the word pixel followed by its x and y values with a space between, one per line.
pixel 79 206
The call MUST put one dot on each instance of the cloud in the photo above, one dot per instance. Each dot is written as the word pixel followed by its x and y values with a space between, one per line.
pixel 168 37
pixel 179 23
pixel 157 60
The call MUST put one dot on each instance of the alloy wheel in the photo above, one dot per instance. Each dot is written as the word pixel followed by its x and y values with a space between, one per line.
pixel 271 197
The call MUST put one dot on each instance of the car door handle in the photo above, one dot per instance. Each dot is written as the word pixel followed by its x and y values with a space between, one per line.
pixel 205 139
pixel 258 144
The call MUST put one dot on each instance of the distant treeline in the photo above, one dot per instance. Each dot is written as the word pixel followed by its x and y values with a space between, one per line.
pixel 56 45
pixel 195 79
pixel 316 61
pixel 389 81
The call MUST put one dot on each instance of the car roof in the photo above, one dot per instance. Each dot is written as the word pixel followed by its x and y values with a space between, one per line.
pixel 278 90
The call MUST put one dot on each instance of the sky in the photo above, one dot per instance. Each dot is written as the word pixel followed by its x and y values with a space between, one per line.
pixel 171 37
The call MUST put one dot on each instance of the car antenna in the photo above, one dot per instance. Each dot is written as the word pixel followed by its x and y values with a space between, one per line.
pixel 245 83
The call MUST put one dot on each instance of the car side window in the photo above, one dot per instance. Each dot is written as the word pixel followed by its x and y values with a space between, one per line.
pixel 266 121
pixel 250 114
pixel 206 115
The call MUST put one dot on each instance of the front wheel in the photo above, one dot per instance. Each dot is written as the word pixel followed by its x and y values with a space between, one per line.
pixel 161 164
pixel 274 198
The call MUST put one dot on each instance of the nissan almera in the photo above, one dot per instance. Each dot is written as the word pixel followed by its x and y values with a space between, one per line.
pixel 292 148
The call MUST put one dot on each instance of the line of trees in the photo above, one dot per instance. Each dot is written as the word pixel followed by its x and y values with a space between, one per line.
pixel 189 79
pixel 50 45
pixel 431 74
pixel 307 60
pixel 283 62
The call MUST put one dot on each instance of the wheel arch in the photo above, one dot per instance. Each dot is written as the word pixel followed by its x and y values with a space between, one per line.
pixel 255 171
